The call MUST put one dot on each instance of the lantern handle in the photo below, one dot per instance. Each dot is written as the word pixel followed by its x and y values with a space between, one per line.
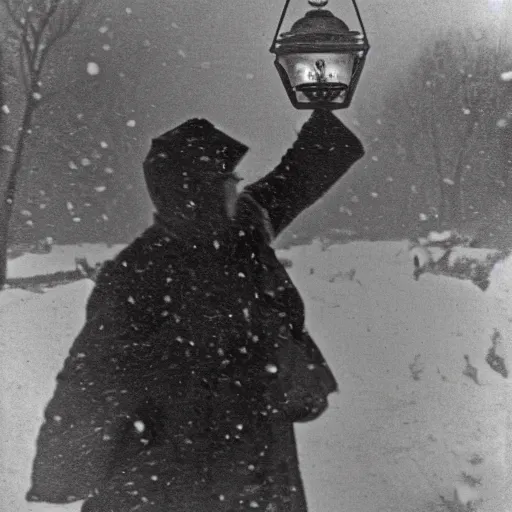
pixel 283 14
pixel 360 19
pixel 285 9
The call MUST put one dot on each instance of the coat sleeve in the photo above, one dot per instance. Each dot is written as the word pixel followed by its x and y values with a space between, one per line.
pixel 95 397
pixel 323 152
pixel 312 380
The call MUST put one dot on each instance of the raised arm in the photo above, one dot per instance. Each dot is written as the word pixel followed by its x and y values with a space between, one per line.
pixel 323 152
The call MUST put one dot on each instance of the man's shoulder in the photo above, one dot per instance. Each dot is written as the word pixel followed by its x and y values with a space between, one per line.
pixel 138 273
pixel 150 250
pixel 151 241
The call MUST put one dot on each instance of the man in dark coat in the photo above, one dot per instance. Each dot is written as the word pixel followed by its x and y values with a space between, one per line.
pixel 181 390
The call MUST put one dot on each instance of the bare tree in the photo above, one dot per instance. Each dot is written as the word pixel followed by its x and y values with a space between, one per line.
pixel 36 26
pixel 445 118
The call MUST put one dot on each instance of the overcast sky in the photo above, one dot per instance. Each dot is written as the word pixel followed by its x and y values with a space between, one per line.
pixel 240 90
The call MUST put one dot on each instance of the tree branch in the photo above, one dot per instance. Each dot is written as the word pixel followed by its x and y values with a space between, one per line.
pixel 14 18
pixel 64 27
pixel 23 58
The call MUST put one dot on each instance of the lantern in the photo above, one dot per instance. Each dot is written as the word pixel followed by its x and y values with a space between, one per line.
pixel 320 60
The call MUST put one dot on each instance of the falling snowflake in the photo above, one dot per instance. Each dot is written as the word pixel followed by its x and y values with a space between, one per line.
pixel 128 10
pixel 374 194
pixel 174 25
pixel 7 148
pixel 423 217
pixel 502 123
pixel 76 219
pixel 26 213
pixel 103 144
pixel 72 165
pixel 5 109
pixel 93 68
pixel 100 188
pixel 448 181
pixel 131 123
pixel 106 47
pixel 37 96
pixel 506 76
pixel 109 170
pixel 466 111
pixel 375 158
pixel 103 29
pixel 181 53
pixel 69 205
pixel 139 426
pixel 271 368
pixel 85 162
pixel 104 216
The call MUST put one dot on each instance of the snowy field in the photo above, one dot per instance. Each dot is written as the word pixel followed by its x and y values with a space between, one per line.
pixel 419 413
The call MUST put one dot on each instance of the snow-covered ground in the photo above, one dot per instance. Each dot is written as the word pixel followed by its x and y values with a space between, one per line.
pixel 414 418
pixel 61 258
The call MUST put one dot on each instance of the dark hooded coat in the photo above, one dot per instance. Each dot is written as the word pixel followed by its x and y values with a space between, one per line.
pixel 180 392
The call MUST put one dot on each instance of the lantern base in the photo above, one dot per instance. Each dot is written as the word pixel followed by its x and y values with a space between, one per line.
pixel 322 92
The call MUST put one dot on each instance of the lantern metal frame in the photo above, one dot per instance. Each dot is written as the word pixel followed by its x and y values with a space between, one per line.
pixel 353 43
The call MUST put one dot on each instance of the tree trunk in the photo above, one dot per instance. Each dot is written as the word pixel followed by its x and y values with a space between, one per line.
pixel 453 204
pixel 505 159
pixel 456 188
pixel 7 206
pixel 3 234
pixel 444 204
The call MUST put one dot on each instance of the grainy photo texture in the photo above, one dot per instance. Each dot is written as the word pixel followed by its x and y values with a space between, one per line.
pixel 255 256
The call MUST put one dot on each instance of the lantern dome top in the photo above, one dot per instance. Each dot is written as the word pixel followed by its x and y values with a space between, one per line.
pixel 318 21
